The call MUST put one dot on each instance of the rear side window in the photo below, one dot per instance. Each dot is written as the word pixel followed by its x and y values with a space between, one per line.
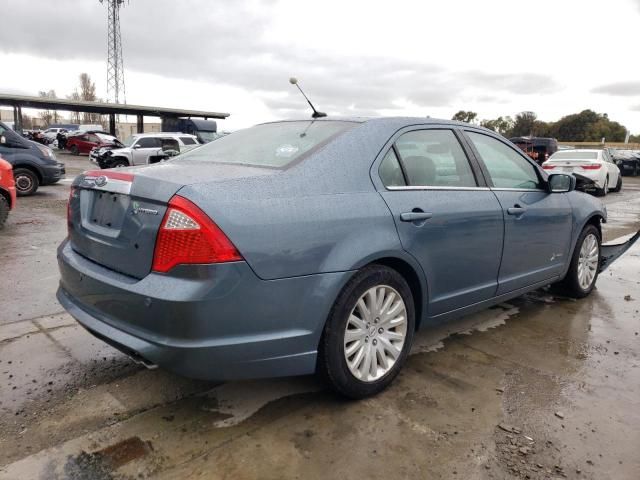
pixel 506 167
pixel 434 158
pixel 148 142
pixel 274 145
pixel 188 140
pixel 390 171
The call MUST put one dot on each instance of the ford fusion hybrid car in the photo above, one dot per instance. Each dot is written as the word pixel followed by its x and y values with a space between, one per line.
pixel 306 246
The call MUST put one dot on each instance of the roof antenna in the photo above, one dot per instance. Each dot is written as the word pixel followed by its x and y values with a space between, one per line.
pixel 315 114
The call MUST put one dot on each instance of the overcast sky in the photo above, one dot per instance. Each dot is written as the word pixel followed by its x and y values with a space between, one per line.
pixel 401 57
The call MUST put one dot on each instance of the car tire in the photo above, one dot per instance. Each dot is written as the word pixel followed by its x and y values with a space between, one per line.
pixel 602 192
pixel 618 184
pixel 369 332
pixel 4 210
pixel 577 284
pixel 26 181
pixel 74 150
pixel 119 163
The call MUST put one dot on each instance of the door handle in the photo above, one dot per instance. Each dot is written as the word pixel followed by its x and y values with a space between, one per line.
pixel 516 210
pixel 415 216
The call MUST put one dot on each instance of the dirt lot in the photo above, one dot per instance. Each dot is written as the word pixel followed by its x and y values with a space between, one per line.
pixel 541 387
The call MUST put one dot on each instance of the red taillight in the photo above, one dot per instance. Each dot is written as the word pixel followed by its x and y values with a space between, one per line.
pixel 188 235
pixel 69 219
pixel 591 166
pixel 548 167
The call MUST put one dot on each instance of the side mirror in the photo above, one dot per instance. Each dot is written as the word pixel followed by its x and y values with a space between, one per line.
pixel 136 146
pixel 561 183
pixel 3 140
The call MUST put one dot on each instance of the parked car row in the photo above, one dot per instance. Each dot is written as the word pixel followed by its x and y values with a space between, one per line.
pixel 594 167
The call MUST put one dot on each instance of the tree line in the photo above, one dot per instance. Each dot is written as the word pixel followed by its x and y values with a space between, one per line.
pixel 586 126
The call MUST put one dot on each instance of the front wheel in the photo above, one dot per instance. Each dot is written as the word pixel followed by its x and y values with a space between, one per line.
pixel 369 333
pixel 26 181
pixel 585 264
pixel 74 150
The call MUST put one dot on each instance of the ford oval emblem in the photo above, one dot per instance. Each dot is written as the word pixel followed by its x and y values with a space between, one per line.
pixel 101 181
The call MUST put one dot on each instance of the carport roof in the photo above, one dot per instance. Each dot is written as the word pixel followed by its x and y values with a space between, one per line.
pixel 101 107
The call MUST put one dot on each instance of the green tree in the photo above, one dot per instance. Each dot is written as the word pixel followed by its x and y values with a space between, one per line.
pixel 524 124
pixel 588 126
pixel 465 116
pixel 501 125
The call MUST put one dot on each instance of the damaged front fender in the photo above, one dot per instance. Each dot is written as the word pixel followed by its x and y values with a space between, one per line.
pixel 609 253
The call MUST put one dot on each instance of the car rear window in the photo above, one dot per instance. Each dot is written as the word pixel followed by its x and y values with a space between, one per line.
pixel 574 155
pixel 274 145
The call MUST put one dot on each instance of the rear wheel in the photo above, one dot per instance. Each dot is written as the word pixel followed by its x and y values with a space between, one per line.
pixel 605 189
pixel 26 181
pixel 618 184
pixel 4 210
pixel 74 150
pixel 584 267
pixel 369 333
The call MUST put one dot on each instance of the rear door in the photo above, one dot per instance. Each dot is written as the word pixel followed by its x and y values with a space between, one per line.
pixel 445 215
pixel 537 224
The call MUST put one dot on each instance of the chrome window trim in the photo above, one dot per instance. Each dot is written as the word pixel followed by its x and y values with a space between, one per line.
pixel 506 189
pixel 418 187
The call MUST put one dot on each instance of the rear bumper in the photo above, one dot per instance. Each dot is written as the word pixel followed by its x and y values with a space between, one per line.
pixel 214 322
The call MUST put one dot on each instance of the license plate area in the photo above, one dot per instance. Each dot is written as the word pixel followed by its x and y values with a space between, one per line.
pixel 105 211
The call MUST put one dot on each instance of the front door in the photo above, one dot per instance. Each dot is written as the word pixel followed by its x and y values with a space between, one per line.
pixel 537 224
pixel 144 148
pixel 445 216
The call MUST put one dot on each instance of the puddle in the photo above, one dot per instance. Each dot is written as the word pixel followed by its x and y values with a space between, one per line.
pixel 238 401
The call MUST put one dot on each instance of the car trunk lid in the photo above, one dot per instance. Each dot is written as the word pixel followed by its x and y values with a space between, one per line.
pixel 114 219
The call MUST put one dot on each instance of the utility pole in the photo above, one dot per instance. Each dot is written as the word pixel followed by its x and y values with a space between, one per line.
pixel 115 70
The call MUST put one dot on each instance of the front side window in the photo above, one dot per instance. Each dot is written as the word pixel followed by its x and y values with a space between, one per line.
pixel 505 166
pixel 273 145
pixel 188 140
pixel 434 158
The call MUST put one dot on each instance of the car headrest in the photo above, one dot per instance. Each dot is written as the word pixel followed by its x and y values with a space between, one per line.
pixel 421 170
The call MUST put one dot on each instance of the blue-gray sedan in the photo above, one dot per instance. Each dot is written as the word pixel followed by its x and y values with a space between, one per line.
pixel 300 246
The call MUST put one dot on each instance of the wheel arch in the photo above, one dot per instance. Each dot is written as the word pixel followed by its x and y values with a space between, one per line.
pixel 30 167
pixel 413 276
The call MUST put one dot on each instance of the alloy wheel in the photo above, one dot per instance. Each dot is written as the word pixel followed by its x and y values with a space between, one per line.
pixel 588 261
pixel 375 333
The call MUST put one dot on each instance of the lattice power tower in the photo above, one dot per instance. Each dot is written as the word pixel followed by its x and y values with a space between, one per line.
pixel 115 70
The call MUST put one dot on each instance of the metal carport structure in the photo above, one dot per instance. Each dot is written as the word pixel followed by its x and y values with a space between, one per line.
pixel 18 102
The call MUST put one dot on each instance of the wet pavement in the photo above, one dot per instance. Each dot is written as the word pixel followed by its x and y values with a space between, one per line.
pixel 541 387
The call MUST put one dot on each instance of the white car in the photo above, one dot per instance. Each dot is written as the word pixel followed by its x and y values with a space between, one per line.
pixel 144 148
pixel 596 165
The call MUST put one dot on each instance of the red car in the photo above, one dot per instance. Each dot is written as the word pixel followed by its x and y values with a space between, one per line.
pixel 7 190
pixel 85 142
